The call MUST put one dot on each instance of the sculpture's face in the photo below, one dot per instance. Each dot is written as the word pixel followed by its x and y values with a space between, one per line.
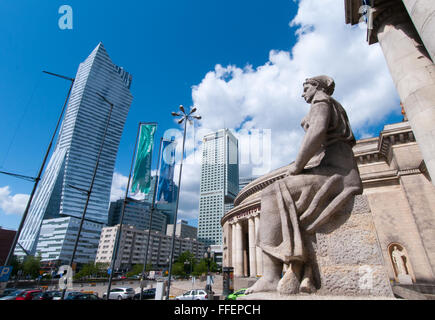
pixel 309 92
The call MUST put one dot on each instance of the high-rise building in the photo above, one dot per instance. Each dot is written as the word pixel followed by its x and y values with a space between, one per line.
pixel 219 183
pixel 75 154
pixel 137 213
pixel 243 182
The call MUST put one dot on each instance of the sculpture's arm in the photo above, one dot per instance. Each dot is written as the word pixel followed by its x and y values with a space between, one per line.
pixel 314 136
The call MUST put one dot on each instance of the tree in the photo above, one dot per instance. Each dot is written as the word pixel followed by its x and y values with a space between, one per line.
pixel 16 265
pixel 31 266
pixel 87 271
pixel 178 269
pixel 137 269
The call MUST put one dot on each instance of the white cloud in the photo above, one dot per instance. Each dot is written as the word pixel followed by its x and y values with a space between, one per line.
pixel 119 183
pixel 269 96
pixel 12 204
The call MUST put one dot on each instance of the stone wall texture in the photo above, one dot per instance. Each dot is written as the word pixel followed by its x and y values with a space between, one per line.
pixel 347 256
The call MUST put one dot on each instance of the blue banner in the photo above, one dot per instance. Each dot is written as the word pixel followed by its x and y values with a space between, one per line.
pixel 165 191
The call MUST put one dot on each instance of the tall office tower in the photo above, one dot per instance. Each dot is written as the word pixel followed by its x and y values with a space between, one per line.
pixel 219 183
pixel 75 154
pixel 243 182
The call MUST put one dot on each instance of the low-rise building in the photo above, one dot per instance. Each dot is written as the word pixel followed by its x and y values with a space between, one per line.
pixel 133 245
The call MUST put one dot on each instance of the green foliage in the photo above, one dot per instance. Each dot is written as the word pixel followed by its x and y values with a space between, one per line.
pixel 92 270
pixel 137 269
pixel 16 264
pixel 178 269
pixel 31 266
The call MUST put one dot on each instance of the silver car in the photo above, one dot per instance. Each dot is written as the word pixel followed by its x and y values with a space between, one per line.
pixel 120 293
pixel 196 294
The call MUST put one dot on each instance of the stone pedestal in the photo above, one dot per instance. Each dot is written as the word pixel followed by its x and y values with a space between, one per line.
pixel 347 257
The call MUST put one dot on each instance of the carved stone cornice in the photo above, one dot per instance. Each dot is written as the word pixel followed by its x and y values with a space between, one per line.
pixel 386 12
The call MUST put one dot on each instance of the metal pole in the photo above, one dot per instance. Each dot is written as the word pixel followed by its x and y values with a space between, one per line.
pixel 89 192
pixel 176 210
pixel 119 232
pixel 38 178
pixel 151 220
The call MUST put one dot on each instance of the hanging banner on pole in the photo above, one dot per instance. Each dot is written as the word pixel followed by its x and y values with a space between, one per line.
pixel 165 191
pixel 141 182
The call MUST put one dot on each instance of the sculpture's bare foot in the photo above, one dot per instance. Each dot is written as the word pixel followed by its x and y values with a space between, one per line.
pixel 307 286
pixel 262 285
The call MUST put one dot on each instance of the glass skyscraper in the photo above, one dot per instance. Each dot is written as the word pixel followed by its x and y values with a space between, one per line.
pixel 219 184
pixel 75 154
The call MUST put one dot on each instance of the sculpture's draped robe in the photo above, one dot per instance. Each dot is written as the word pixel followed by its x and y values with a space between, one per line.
pixel 301 203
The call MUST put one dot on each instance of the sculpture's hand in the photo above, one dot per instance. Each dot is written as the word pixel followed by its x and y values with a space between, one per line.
pixel 292 171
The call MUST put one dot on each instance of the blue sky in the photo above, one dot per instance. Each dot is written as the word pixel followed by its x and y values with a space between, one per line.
pixel 168 46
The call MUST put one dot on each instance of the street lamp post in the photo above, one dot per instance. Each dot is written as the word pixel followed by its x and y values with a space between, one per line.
pixel 209 256
pixel 185 117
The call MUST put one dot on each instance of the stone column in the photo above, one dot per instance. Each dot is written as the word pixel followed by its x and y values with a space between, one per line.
pixel 233 245
pixel 413 73
pixel 252 248
pixel 238 265
pixel 259 252
pixel 422 13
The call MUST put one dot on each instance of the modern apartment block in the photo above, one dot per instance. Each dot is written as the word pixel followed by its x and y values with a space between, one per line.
pixel 137 213
pixel 133 243
pixel 75 154
pixel 182 230
pixel 219 184
pixel 58 236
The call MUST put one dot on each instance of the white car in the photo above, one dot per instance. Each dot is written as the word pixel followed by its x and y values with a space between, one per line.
pixel 120 294
pixel 196 294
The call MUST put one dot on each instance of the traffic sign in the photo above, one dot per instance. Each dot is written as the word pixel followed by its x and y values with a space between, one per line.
pixel 5 273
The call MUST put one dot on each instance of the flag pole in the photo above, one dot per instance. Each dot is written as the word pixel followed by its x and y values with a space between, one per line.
pixel 119 232
pixel 157 177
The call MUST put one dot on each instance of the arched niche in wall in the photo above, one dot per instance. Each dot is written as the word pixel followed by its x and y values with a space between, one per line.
pixel 400 263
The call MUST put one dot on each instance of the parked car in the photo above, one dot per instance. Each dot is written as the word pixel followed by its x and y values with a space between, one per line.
pixel 46 295
pixel 83 296
pixel 120 294
pixel 235 294
pixel 12 295
pixel 147 294
pixel 196 294
pixel 58 294
pixel 28 294
pixel 7 292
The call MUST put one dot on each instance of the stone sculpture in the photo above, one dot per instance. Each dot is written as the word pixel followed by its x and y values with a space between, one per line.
pixel 398 258
pixel 323 178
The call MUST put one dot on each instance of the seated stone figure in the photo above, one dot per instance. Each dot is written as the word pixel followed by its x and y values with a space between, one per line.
pixel 322 179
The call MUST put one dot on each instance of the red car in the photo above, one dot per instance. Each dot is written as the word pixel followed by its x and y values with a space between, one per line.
pixel 28 295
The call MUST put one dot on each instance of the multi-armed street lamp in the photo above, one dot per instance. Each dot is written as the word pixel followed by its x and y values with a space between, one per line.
pixel 184 117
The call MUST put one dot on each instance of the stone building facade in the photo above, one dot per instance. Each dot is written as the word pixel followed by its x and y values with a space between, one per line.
pixel 396 210
pixel 405 31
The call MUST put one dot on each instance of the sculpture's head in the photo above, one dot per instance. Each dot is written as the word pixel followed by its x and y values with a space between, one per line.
pixel 320 83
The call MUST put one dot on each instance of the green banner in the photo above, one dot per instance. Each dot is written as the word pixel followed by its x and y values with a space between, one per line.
pixel 141 183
